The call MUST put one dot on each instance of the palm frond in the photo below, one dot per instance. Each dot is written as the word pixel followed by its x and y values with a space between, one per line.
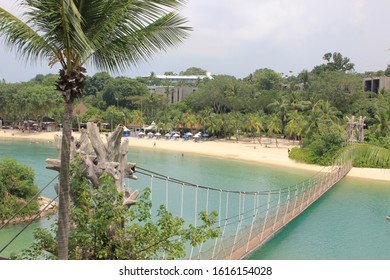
pixel 126 32
pixel 139 45
pixel 60 22
pixel 375 155
pixel 114 34
pixel 19 36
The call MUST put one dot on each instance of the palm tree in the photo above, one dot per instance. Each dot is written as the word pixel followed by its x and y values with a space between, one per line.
pixel 382 127
pixel 374 155
pixel 303 77
pixel 280 106
pixel 274 127
pixel 110 34
pixel 255 125
pixel 190 121
pixel 295 124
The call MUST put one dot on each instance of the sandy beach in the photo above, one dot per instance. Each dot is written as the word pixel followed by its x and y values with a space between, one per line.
pixel 246 151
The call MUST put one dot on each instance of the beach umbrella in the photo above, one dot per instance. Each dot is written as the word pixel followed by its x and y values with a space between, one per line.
pixel 175 135
pixel 189 134
pixel 158 134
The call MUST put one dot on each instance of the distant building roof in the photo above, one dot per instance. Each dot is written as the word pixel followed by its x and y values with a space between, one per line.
pixel 80 109
pixel 183 77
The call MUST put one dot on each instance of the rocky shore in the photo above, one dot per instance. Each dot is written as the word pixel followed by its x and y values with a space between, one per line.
pixel 46 207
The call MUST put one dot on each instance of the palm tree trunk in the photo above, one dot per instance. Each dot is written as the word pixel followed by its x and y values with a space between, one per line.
pixel 64 193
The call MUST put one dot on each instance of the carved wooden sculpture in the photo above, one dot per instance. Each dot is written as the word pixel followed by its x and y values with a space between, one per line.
pixel 100 157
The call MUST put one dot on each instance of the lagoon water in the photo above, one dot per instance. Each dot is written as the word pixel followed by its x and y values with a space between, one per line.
pixel 348 222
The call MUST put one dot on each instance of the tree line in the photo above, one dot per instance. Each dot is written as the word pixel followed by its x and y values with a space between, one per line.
pixel 310 107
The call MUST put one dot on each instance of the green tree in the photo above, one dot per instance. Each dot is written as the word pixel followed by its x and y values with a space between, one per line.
pixel 120 91
pixel 137 117
pixel 335 62
pixel 96 83
pixel 16 188
pixel 382 127
pixel 281 107
pixel 303 77
pixel 254 125
pixel 212 95
pixel 73 33
pixel 295 125
pixel 189 120
pixel 274 127
pixel 193 71
pixel 266 79
pixel 340 89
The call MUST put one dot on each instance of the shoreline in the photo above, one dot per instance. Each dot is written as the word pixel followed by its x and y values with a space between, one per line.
pixel 267 153
pixel 46 207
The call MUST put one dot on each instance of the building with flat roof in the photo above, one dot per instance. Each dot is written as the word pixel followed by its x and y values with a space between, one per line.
pixel 376 84
pixel 173 94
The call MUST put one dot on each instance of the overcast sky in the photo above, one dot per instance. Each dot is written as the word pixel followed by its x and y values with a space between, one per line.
pixel 236 37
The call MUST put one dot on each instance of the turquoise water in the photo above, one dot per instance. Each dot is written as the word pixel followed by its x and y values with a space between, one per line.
pixel 346 223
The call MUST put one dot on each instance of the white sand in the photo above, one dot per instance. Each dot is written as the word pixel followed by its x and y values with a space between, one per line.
pixel 245 151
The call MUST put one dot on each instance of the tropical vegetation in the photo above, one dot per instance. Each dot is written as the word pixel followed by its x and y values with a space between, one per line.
pixel 17 190
pixel 310 108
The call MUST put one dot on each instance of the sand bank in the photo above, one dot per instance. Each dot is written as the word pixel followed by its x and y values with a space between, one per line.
pixel 267 153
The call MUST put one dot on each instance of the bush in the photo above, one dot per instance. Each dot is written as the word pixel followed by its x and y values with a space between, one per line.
pixel 302 155
pixel 321 148
pixel 16 186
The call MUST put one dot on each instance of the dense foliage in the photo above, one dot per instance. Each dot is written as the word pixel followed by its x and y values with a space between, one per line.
pixel 105 229
pixel 16 189
pixel 302 108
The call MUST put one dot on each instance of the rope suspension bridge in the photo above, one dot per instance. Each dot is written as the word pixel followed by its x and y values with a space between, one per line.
pixel 246 220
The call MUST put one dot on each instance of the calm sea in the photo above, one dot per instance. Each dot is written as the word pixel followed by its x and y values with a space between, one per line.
pixel 348 222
